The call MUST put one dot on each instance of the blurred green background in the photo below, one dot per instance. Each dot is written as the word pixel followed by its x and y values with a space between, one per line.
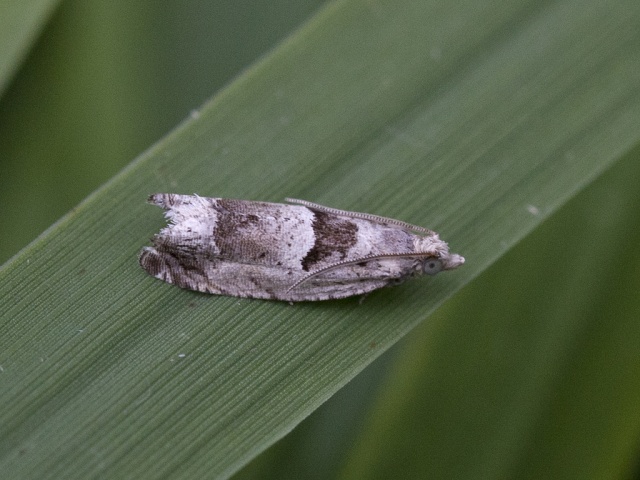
pixel 104 80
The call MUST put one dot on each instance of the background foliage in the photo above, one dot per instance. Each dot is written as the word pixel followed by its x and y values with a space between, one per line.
pixel 480 121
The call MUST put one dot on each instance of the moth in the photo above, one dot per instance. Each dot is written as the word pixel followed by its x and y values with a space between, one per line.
pixel 300 251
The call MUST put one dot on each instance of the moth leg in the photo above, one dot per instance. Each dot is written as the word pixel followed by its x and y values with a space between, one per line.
pixel 364 216
pixel 363 297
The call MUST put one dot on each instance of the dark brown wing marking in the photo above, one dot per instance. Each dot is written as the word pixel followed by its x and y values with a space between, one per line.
pixel 332 234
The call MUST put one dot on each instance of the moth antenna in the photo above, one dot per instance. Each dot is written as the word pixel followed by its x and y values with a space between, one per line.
pixel 365 258
pixel 364 216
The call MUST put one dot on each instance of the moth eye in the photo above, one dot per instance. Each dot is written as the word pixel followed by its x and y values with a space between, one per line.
pixel 431 266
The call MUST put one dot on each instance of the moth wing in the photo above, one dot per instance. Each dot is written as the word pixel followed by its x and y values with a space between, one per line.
pixel 212 275
pixel 234 230
pixel 218 276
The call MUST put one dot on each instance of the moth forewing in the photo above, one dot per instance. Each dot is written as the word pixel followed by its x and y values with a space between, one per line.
pixel 285 252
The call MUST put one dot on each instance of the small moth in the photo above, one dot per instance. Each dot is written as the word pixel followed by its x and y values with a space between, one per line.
pixel 296 252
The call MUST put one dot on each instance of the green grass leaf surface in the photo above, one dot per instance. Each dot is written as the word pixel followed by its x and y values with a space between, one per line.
pixel 476 119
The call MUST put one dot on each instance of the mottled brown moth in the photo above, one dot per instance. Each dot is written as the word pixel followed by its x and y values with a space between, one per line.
pixel 298 252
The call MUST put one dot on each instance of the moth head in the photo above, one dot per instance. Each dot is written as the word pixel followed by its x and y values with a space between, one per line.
pixel 433 265
pixel 436 255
